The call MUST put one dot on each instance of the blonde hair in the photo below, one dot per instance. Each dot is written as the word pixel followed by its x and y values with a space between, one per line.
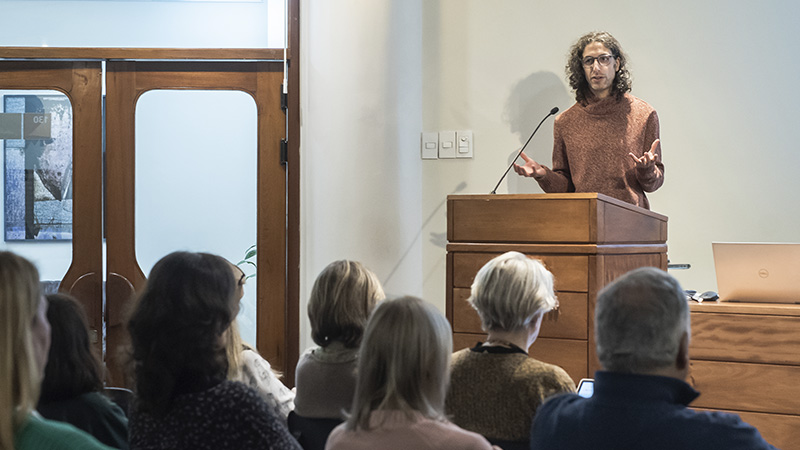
pixel 234 346
pixel 341 301
pixel 403 362
pixel 510 291
pixel 19 374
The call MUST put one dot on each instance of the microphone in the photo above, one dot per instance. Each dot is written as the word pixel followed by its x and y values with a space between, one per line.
pixel 552 112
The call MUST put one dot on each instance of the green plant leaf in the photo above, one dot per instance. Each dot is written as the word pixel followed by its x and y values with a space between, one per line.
pixel 249 254
pixel 251 263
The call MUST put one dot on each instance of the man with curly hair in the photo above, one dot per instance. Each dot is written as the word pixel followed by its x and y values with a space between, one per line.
pixel 608 141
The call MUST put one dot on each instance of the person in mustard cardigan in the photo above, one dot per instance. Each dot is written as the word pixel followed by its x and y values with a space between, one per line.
pixel 495 387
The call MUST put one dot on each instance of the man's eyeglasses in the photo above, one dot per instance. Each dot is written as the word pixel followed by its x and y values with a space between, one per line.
pixel 604 60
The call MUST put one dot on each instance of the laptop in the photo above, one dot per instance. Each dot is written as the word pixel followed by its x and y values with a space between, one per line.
pixel 757 272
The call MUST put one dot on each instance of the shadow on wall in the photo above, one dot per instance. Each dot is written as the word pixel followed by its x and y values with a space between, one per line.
pixel 437 239
pixel 528 103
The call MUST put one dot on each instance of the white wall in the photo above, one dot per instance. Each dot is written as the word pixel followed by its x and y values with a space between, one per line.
pixel 361 106
pixel 173 24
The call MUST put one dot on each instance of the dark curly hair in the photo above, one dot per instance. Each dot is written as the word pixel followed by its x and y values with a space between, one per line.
pixel 176 327
pixel 577 76
pixel 72 367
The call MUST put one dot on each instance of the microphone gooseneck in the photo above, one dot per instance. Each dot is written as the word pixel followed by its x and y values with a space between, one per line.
pixel 552 112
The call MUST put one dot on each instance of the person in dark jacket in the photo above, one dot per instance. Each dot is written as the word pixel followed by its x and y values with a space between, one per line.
pixel 183 399
pixel 641 399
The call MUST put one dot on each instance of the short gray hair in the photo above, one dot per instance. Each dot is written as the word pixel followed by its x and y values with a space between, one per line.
pixel 639 321
pixel 510 290
pixel 403 362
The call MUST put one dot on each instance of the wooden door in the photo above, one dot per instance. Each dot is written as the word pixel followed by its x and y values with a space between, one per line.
pixel 127 81
pixel 81 82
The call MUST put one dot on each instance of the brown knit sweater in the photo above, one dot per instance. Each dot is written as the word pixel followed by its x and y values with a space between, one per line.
pixel 591 146
pixel 497 394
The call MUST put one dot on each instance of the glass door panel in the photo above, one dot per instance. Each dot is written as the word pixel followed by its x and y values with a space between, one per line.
pixel 196 168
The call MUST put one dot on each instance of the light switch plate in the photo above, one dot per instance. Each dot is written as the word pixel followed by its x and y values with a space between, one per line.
pixel 447 144
pixel 430 145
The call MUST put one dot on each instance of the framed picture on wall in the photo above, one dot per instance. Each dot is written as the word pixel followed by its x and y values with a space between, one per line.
pixel 36 130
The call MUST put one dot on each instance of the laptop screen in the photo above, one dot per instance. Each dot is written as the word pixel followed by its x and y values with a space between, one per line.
pixel 757 272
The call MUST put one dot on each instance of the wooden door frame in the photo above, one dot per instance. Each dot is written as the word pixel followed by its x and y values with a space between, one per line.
pixel 293 191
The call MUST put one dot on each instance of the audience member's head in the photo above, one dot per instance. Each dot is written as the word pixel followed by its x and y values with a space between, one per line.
pixel 177 327
pixel 642 324
pixel 341 301
pixel 404 361
pixel 24 343
pixel 72 367
pixel 511 292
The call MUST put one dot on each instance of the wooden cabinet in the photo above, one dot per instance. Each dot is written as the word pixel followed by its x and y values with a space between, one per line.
pixel 585 240
pixel 745 358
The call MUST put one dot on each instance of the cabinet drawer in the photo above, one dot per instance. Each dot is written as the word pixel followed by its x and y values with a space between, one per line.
pixel 746 387
pixel 570 355
pixel 777 429
pixel 746 337
pixel 570 322
pixel 571 272
pixel 782 431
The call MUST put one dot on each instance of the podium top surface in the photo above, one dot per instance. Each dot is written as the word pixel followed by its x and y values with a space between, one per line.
pixel 574 218
pixel 565 196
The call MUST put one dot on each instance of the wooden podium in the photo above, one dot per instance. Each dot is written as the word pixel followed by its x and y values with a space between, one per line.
pixel 585 240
